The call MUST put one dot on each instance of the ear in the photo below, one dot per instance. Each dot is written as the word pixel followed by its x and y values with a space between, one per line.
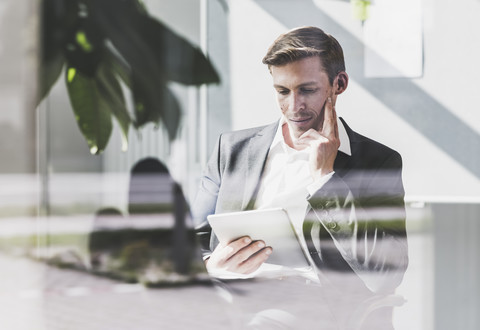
pixel 340 83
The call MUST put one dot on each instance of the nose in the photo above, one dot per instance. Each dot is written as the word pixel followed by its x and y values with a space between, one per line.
pixel 296 102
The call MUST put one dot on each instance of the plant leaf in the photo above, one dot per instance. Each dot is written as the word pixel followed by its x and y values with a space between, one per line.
pixel 57 18
pixel 85 46
pixel 169 55
pixel 92 112
pixel 160 106
pixel 118 64
pixel 121 27
pixel 111 91
pixel 172 113
pixel 153 55
pixel 49 71
pixel 182 62
pixel 147 76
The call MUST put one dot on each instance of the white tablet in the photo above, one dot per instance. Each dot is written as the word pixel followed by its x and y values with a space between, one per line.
pixel 273 226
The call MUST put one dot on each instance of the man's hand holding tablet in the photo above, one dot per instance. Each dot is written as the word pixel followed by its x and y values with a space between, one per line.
pixel 250 239
pixel 242 256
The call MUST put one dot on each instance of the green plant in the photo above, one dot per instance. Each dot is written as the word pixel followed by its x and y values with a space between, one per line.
pixel 100 43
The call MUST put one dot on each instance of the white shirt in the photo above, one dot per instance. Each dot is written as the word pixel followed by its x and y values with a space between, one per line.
pixel 286 181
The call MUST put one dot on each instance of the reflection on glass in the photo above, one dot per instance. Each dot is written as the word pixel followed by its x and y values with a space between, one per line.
pixel 76 249
pixel 154 243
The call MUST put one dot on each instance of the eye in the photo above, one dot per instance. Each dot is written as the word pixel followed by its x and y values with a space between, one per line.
pixel 306 90
pixel 283 91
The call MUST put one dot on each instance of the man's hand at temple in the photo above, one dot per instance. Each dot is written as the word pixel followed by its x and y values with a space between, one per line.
pixel 324 142
pixel 242 256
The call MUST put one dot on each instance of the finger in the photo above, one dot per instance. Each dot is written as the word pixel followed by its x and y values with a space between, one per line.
pixel 311 141
pixel 255 261
pixel 233 247
pixel 330 120
pixel 335 123
pixel 304 140
pixel 307 137
pixel 304 143
pixel 335 118
pixel 328 129
pixel 334 99
pixel 311 133
pixel 245 253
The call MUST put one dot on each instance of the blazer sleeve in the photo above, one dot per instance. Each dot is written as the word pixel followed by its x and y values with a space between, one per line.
pixel 358 224
pixel 206 199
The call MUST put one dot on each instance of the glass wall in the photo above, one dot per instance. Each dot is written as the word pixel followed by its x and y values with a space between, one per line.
pixel 106 241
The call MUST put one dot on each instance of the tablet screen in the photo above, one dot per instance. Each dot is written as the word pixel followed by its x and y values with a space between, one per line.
pixel 273 226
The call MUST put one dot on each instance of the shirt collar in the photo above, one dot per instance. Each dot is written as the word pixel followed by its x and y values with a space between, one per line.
pixel 342 134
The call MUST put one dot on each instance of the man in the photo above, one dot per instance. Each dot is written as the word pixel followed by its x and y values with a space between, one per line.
pixel 342 190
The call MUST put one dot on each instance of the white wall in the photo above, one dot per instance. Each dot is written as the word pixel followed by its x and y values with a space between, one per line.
pixel 432 121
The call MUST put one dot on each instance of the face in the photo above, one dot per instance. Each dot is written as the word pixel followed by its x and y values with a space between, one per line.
pixel 302 88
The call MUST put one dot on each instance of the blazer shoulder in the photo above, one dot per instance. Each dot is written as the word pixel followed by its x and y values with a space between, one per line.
pixel 239 137
pixel 373 152
pixel 379 153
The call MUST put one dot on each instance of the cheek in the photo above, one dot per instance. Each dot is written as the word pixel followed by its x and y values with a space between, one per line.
pixel 320 104
pixel 283 105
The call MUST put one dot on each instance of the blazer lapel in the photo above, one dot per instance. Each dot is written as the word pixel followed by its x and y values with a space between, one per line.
pixel 343 162
pixel 258 148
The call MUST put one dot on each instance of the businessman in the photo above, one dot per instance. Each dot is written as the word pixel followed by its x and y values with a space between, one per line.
pixel 342 191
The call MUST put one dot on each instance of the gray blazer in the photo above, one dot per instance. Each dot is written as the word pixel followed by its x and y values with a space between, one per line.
pixel 357 219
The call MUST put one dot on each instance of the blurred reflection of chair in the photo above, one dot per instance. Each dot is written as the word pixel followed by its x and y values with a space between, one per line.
pixel 150 188
pixel 153 191
pixel 153 243
pixel 98 241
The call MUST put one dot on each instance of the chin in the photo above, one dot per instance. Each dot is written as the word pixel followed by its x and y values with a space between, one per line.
pixel 298 133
